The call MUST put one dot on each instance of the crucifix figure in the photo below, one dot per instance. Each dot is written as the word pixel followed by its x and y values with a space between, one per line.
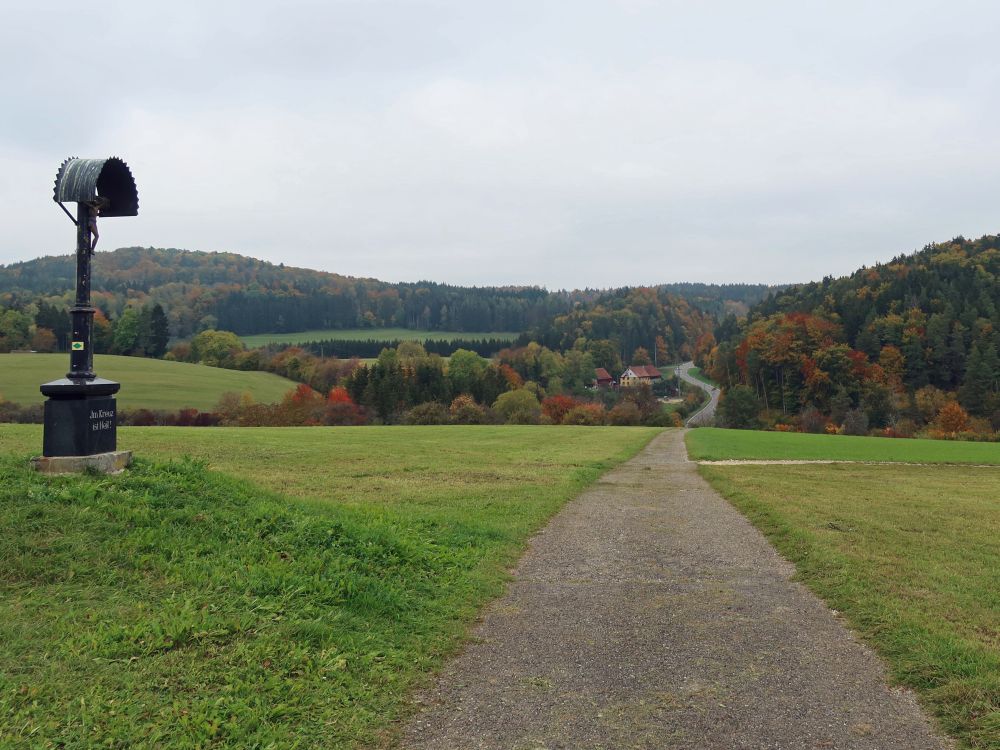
pixel 95 210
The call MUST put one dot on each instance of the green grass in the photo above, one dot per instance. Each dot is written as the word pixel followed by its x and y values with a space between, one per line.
pixel 364 334
pixel 910 556
pixel 297 606
pixel 146 383
pixel 713 444
pixel 697 374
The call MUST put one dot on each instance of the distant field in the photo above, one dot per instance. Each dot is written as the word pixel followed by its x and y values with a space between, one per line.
pixel 364 334
pixel 909 555
pixel 178 607
pixel 146 383
pixel 713 444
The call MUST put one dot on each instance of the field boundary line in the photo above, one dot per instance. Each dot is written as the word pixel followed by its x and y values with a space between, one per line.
pixel 828 461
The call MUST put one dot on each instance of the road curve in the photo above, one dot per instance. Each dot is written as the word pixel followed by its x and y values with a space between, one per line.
pixel 706 414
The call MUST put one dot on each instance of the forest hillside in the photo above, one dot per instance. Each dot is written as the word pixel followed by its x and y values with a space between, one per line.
pixel 227 291
pixel 898 341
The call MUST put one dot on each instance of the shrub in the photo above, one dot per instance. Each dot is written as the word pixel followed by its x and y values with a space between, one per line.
pixel 663 418
pixel 556 407
pixel 981 428
pixel 901 428
pixel 339 395
pixel 642 396
pixel 138 418
pixel 952 418
pixel 431 412
pixel 585 414
pixel 929 402
pixel 465 410
pixel 625 413
pixel 206 419
pixel 855 422
pixel 27 414
pixel 518 407
pixel 812 420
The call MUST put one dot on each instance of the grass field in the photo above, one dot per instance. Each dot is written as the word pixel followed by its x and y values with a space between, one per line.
pixel 364 334
pixel 713 444
pixel 697 374
pixel 146 383
pixel 909 555
pixel 175 606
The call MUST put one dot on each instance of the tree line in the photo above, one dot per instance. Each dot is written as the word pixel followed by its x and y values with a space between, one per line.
pixel 371 348
pixel 225 291
pixel 40 326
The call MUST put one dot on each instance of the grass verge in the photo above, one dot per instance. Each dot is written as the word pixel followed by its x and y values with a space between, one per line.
pixel 176 606
pixel 714 444
pixel 697 374
pixel 910 556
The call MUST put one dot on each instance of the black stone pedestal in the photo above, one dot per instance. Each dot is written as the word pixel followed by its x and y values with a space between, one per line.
pixel 81 418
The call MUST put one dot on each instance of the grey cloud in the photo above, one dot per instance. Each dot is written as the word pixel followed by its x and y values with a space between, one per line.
pixel 566 144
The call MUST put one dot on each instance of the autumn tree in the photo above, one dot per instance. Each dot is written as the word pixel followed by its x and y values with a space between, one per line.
pixel 215 348
pixel 952 418
pixel 641 357
pixel 555 407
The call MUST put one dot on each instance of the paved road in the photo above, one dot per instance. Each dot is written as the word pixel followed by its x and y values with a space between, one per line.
pixel 706 414
pixel 650 614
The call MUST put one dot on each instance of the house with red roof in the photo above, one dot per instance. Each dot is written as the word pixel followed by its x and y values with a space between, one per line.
pixel 603 379
pixel 640 374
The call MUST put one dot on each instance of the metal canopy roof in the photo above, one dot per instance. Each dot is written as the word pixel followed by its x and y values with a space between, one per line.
pixel 81 180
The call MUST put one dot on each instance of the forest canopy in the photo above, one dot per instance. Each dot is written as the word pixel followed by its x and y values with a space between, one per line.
pixel 897 340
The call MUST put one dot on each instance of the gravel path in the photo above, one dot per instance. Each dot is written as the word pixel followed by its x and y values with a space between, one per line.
pixel 650 614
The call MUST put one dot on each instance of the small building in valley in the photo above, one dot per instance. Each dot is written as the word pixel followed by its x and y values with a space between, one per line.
pixel 603 379
pixel 640 374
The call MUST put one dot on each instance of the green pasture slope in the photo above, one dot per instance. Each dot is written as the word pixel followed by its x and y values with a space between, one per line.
pixel 146 383
pixel 291 591
pixel 697 374
pixel 364 334
pixel 714 444
pixel 910 555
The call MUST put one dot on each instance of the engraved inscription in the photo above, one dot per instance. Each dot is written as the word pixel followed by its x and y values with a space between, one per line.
pixel 102 419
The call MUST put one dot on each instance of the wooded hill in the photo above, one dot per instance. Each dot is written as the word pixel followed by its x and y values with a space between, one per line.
pixel 919 327
pixel 226 291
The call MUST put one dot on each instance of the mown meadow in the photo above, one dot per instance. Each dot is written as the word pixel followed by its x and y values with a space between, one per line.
pixel 262 587
pixel 714 444
pixel 908 554
pixel 147 383
pixel 364 334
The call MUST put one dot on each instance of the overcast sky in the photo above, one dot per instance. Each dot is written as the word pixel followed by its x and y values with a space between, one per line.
pixel 581 143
